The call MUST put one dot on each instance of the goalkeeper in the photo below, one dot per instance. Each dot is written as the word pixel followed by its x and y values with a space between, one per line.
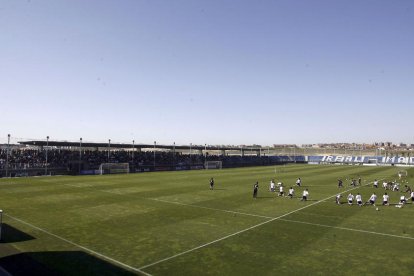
pixel 211 183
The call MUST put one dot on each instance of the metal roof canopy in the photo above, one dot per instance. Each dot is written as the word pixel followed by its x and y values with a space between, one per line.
pixel 128 146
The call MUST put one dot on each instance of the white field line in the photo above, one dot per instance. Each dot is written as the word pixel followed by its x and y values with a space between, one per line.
pixel 183 204
pixel 295 221
pixel 242 231
pixel 348 229
pixel 4 272
pixel 80 246
pixel 209 208
pixel 217 209
pixel 288 220
pixel 73 185
pixel 228 211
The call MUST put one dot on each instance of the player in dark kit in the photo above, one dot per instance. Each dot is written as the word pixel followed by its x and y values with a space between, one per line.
pixel 255 188
pixel 340 183
pixel 211 183
pixel 353 182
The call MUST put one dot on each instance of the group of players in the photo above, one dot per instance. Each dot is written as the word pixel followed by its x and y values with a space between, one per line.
pixel 392 185
pixel 272 188
pixel 373 198
pixel 281 190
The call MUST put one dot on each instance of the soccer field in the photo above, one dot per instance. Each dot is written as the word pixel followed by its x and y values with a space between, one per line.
pixel 171 223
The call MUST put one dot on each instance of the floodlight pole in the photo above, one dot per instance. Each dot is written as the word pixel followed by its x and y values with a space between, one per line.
pixel 191 161
pixel 133 149
pixel 109 148
pixel 205 152
pixel 1 223
pixel 294 153
pixel 155 143
pixel 7 155
pixel 47 146
pixel 80 154
pixel 174 155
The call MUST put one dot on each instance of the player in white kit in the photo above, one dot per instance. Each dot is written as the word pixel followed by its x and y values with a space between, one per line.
pixel 350 198
pixel 358 198
pixel 291 192
pixel 385 199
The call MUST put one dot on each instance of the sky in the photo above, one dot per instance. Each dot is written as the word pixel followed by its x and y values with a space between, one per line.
pixel 216 72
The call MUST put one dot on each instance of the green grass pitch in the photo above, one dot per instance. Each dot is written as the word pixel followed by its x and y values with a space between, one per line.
pixel 171 223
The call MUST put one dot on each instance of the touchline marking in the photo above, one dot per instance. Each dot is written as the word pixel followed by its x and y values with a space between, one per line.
pixel 80 246
pixel 348 229
pixel 244 230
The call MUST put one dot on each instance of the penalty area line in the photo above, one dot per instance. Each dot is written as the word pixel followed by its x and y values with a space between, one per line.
pixel 79 246
pixel 244 230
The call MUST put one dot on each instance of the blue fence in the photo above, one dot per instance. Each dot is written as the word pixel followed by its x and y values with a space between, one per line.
pixel 395 160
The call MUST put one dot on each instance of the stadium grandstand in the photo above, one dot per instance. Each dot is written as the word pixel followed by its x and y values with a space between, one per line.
pixel 40 157
pixel 29 158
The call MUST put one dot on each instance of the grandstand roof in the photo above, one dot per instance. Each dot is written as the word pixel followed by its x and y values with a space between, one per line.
pixel 42 143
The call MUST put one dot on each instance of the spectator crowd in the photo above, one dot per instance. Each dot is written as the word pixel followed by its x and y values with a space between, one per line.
pixel 20 159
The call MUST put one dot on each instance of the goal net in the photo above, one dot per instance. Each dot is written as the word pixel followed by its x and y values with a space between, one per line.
pixel 209 165
pixel 110 168
pixel 402 173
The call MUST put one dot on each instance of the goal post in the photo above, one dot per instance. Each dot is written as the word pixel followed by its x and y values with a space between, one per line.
pixel 111 168
pixel 210 165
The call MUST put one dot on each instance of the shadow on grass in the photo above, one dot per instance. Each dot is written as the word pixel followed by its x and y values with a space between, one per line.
pixel 10 234
pixel 59 263
pixel 22 264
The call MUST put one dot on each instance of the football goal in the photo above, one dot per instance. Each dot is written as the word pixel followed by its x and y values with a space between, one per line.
pixel 210 165
pixel 110 168
pixel 402 174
